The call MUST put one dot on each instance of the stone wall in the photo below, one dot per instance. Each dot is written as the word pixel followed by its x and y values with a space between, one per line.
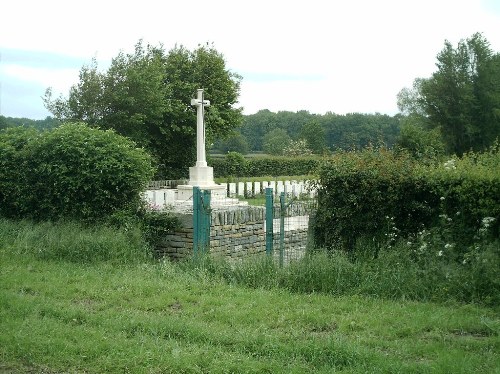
pixel 235 233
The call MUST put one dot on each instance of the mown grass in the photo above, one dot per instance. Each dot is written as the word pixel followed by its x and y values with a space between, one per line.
pixel 62 315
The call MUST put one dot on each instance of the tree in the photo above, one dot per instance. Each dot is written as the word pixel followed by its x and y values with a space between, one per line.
pixel 314 136
pixel 235 143
pixel 462 98
pixel 275 142
pixel 146 96
pixel 421 143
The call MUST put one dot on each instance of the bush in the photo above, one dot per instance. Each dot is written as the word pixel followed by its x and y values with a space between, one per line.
pixel 378 196
pixel 361 193
pixel 72 171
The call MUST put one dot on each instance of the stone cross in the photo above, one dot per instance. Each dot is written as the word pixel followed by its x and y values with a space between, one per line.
pixel 200 128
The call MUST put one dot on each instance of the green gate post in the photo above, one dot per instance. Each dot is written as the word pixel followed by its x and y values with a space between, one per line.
pixel 205 220
pixel 196 220
pixel 282 227
pixel 201 221
pixel 269 220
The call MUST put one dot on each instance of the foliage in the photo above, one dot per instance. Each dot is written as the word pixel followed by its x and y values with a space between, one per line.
pixel 297 148
pixel 236 164
pixel 234 143
pixel 264 166
pixel 329 131
pixel 360 190
pixel 462 98
pixel 363 194
pixel 155 223
pixel 357 131
pixel 315 137
pixel 13 169
pixel 423 144
pixel 43 124
pixel 275 142
pixel 146 96
pixel 72 171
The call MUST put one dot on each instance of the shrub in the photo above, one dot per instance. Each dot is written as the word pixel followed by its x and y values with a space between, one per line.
pixel 235 164
pixel 72 171
pixel 377 196
pixel 13 168
pixel 361 193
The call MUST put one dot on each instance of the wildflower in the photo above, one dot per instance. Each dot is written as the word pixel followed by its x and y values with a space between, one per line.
pixel 486 221
pixel 448 245
pixel 441 198
pixel 440 253
pixel 450 164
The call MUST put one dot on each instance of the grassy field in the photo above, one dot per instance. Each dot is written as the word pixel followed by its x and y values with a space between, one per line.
pixel 58 316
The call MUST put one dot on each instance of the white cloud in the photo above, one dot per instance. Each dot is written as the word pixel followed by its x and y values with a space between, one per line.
pixel 60 80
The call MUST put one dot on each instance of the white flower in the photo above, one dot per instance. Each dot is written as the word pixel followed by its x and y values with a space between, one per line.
pixel 450 164
pixel 448 245
pixel 440 253
pixel 441 198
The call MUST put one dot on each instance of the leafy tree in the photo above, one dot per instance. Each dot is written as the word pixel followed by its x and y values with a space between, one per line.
pixel 421 143
pixel 255 126
pixel 235 143
pixel 146 96
pixel 358 131
pixel 462 98
pixel 3 123
pixel 275 142
pixel 314 136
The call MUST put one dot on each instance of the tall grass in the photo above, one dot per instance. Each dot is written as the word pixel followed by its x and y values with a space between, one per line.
pixel 71 241
pixel 398 273
pixel 394 275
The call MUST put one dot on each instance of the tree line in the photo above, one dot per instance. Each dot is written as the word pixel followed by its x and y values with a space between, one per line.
pixel 303 132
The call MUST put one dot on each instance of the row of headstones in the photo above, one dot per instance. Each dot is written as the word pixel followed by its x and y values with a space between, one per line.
pixel 157 198
pixel 290 188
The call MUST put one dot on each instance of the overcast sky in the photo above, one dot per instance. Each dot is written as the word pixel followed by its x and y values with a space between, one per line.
pixel 316 55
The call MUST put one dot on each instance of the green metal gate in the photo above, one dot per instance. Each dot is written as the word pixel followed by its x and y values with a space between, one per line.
pixel 288 224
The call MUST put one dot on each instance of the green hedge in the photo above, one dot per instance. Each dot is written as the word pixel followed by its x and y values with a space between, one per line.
pixel 378 196
pixel 72 171
pixel 235 165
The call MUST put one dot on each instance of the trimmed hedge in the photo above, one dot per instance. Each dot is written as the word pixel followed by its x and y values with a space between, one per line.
pixel 234 166
pixel 375 194
pixel 72 171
